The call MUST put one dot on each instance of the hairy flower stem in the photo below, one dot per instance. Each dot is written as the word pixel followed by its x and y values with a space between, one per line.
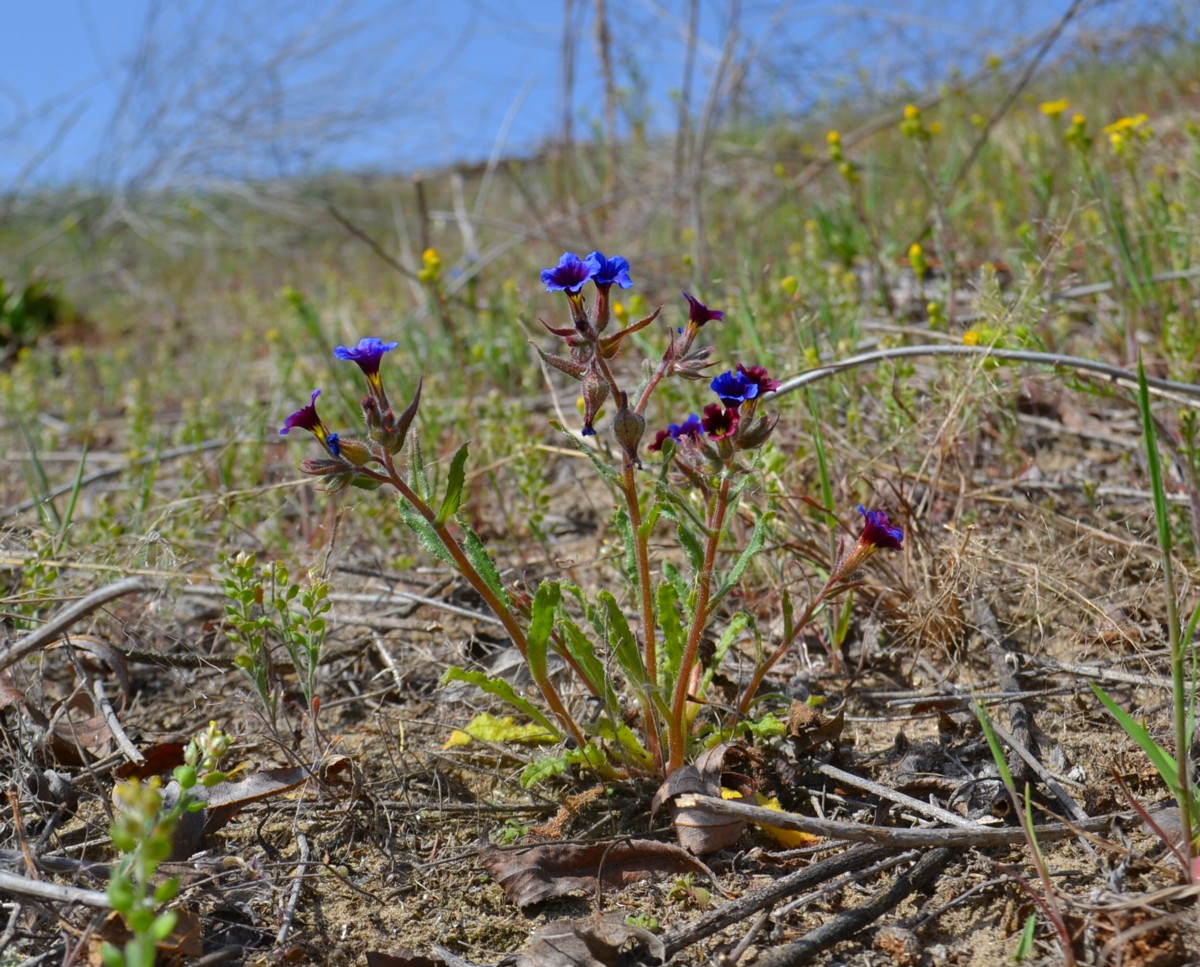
pixel 650 657
pixel 498 607
pixel 761 672
pixel 642 556
pixel 677 724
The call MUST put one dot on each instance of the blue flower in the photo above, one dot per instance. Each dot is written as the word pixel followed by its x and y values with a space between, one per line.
pixel 614 270
pixel 689 427
pixel 570 274
pixel 734 388
pixel 366 354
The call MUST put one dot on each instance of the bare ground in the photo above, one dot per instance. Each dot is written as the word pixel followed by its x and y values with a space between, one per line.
pixel 1030 568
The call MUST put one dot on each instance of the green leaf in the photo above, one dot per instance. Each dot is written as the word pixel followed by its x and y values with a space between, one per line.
pixel 545 604
pixel 1163 761
pixel 502 690
pixel 691 546
pixel 621 640
pixel 487 727
pixel 757 539
pixel 1162 514
pixel 583 650
pixel 605 470
pixel 542 769
pixel 767 727
pixel 478 555
pixel 454 487
pixel 417 478
pixel 671 623
pixel 677 580
pixel 426 535
pixel 624 527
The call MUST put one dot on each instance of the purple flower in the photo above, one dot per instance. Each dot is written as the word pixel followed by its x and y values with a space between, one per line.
pixel 878 531
pixel 758 376
pixel 734 388
pixel 699 313
pixel 691 427
pixel 306 419
pixel 571 273
pixel 660 438
pixel 366 354
pixel 614 270
pixel 720 422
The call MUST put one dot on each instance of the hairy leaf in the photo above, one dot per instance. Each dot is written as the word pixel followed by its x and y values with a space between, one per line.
pixel 454 486
pixel 753 546
pixel 478 555
pixel 424 531
pixel 621 639
pixel 671 623
pixel 545 604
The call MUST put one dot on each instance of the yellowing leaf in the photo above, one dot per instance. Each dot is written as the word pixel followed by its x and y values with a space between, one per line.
pixel 787 838
pixel 491 728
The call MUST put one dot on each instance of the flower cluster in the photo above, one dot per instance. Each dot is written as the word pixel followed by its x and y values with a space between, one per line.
pixel 589 346
pixel 730 423
pixel 348 460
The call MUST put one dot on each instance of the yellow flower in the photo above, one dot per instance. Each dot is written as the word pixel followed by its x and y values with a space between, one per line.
pixel 432 263
pixel 790 285
pixel 619 310
pixel 935 127
pixel 1126 124
pixel 833 138
pixel 911 112
pixel 1053 109
pixel 970 338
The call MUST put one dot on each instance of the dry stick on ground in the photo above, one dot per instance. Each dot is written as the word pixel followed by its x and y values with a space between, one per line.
pixel 23 886
pixel 804 950
pixel 848 861
pixel 1005 661
pixel 883 792
pixel 1022 741
pixel 65 618
pixel 290 912
pixel 899 838
pixel 1186 393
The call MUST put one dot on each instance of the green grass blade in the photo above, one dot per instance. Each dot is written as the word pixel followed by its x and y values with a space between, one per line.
pixel 1163 761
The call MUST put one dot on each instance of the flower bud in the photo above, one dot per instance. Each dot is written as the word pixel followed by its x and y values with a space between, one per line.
pixel 595 392
pixel 628 427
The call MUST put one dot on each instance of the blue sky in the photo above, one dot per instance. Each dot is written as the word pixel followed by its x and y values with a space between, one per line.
pixel 94 91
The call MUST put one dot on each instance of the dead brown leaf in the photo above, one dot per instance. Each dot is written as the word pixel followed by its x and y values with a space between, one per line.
pixel 598 941
pixel 530 875
pixel 808 728
pixel 699 830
